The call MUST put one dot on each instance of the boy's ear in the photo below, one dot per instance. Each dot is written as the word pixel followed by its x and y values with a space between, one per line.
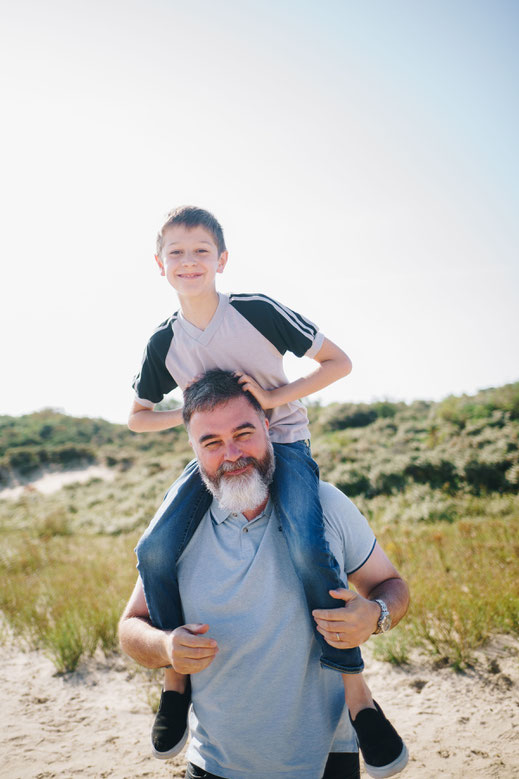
pixel 160 264
pixel 222 262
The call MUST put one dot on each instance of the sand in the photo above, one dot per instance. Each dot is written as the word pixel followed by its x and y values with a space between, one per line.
pixel 95 722
pixel 49 481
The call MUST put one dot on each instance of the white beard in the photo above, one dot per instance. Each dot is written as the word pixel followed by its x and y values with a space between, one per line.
pixel 237 494
pixel 246 492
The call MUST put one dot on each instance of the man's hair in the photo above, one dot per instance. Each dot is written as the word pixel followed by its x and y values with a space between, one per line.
pixel 190 217
pixel 214 388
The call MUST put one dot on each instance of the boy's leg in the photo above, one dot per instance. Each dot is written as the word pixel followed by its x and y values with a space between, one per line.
pixel 296 496
pixel 157 552
pixel 163 542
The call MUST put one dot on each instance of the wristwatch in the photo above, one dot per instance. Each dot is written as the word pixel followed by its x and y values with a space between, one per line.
pixel 384 621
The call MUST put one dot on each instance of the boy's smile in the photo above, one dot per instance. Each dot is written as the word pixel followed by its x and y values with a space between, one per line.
pixel 190 260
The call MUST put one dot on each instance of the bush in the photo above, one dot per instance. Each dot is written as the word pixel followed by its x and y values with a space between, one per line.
pixel 437 473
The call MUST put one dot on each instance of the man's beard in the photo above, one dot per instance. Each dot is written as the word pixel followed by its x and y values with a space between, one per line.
pixel 246 492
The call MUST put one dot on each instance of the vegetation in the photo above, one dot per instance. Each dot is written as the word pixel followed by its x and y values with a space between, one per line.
pixel 437 481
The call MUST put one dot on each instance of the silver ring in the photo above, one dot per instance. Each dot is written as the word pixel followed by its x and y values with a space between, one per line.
pixel 338 637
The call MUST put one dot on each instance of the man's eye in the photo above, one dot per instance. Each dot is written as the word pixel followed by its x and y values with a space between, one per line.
pixel 245 434
pixel 212 444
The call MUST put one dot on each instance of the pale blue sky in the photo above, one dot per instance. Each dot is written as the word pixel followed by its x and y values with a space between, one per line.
pixel 362 158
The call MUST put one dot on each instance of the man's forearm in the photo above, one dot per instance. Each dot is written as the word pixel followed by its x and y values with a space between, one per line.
pixel 143 642
pixel 395 594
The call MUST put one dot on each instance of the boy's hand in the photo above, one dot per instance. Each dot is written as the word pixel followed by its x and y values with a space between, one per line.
pixel 264 397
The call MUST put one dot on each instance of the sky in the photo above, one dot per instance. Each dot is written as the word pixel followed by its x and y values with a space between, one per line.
pixel 361 157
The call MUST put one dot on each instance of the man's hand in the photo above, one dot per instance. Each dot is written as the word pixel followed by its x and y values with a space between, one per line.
pixel 189 650
pixel 264 397
pixel 354 623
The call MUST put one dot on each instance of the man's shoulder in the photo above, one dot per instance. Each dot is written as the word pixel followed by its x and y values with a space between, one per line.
pixel 346 527
pixel 333 500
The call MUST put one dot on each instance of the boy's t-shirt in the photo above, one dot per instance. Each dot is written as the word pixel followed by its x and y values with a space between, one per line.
pixel 248 333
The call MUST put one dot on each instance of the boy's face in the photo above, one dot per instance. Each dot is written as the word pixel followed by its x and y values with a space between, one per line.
pixel 190 260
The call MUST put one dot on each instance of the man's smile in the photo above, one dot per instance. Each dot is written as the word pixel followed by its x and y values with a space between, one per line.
pixel 237 471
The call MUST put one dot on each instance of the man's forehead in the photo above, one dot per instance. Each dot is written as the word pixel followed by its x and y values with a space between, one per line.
pixel 225 417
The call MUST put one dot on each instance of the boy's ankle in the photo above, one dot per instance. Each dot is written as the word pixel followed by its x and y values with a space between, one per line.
pixel 357 694
pixel 174 682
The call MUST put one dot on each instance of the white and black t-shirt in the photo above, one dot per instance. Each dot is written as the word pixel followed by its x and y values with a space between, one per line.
pixel 249 333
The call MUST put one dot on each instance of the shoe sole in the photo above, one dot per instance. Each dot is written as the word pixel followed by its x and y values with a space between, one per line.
pixel 381 771
pixel 173 751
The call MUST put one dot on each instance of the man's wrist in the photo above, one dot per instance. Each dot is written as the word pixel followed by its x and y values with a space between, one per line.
pixel 384 618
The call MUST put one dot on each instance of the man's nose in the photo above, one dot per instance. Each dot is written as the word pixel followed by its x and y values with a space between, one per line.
pixel 232 452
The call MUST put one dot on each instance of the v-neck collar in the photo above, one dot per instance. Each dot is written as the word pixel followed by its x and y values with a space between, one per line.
pixel 205 336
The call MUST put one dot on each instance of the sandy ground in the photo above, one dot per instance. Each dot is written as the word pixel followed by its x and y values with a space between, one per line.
pixel 52 481
pixel 95 722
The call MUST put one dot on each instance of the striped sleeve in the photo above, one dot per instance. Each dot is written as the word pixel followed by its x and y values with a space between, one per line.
pixel 285 329
pixel 154 380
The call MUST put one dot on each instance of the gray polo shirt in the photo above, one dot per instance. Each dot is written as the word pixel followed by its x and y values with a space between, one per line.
pixel 264 708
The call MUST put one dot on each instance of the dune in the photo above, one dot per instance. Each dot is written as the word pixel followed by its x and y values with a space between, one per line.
pixel 95 722
pixel 48 482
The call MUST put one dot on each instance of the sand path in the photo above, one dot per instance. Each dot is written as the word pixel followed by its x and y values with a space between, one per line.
pixel 95 722
pixel 52 481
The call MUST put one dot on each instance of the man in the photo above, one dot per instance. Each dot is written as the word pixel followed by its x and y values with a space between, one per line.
pixel 263 707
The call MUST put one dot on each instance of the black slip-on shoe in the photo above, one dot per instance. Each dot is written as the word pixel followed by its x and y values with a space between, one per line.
pixel 384 752
pixel 170 731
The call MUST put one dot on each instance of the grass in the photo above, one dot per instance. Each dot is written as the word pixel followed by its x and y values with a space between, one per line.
pixel 64 590
pixel 64 594
pixel 464 585
pixel 437 482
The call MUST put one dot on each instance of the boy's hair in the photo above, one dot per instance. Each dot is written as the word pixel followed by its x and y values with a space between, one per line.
pixel 214 388
pixel 189 217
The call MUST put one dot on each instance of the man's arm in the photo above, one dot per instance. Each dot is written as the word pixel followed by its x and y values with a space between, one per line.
pixel 185 648
pixel 334 364
pixel 357 620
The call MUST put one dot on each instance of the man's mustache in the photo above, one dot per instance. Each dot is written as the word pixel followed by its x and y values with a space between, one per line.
pixel 236 465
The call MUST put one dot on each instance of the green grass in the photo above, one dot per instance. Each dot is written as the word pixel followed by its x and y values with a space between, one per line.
pixel 463 581
pixel 65 594
pixel 438 482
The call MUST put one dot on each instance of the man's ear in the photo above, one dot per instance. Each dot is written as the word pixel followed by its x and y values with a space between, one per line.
pixel 222 262
pixel 267 424
pixel 160 264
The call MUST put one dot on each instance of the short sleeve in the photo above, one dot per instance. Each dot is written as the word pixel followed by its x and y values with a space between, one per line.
pixel 350 537
pixel 154 380
pixel 287 330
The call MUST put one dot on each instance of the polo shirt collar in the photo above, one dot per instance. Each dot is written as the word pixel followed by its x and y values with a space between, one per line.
pixel 219 514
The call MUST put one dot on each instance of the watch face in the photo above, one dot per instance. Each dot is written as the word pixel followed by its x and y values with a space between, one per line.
pixel 384 622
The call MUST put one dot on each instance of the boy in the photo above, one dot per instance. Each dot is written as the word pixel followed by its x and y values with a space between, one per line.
pixel 248 334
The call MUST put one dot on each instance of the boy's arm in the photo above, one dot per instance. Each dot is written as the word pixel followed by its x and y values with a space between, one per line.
pixel 334 364
pixel 143 419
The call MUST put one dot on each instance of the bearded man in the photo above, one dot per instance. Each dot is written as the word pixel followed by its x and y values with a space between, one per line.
pixel 262 706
